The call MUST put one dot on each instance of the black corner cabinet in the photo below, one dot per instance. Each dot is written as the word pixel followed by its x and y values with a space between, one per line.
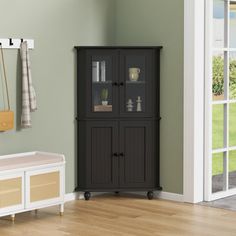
pixel 118 119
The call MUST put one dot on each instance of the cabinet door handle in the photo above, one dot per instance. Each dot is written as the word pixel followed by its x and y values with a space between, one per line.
pixel 115 84
pixel 115 154
pixel 121 84
pixel 122 154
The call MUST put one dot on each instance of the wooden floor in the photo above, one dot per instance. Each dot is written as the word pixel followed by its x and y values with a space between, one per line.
pixel 123 215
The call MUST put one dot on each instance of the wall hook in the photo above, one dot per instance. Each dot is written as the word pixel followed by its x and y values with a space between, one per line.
pixel 14 43
pixel 10 42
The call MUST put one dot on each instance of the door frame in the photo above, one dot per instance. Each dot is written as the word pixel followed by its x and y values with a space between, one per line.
pixel 194 100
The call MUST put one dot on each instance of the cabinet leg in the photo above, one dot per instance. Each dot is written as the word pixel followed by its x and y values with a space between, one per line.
pixel 87 195
pixel 13 218
pixel 150 195
pixel 36 211
pixel 61 209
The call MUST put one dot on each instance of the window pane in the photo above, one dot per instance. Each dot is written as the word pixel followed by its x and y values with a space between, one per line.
pixel 218 64
pixel 232 124
pixel 218 126
pixel 232 30
pixel 218 24
pixel 232 169
pixel 232 75
pixel 217 172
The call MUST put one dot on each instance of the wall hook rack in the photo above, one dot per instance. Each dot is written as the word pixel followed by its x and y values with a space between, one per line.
pixel 11 43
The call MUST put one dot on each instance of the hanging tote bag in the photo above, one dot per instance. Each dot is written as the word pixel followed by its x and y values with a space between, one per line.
pixel 6 116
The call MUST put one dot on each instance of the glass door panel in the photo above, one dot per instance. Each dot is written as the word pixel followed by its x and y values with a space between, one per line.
pixel 232 169
pixel 218 126
pixel 102 85
pixel 223 104
pixel 135 80
pixel 102 76
pixel 217 172
pixel 218 74
pixel 232 75
pixel 232 24
pixel 218 24
pixel 135 84
pixel 232 124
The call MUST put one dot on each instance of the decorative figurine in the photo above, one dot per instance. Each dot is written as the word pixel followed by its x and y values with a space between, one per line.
pixel 139 101
pixel 130 105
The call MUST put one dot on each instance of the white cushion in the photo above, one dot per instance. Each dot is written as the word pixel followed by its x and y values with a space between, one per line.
pixel 29 160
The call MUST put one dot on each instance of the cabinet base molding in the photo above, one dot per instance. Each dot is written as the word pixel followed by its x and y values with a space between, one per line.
pixel 31 181
pixel 157 195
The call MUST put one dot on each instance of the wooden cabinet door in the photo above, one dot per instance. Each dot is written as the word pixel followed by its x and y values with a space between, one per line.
pixel 138 80
pixel 44 186
pixel 102 155
pixel 137 156
pixel 101 83
pixel 11 192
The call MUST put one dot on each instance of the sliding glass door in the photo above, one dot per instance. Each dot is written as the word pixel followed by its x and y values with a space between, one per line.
pixel 220 99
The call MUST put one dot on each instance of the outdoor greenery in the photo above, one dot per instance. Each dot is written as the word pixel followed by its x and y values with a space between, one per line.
pixel 218 114
pixel 217 163
pixel 232 81
pixel 218 76
pixel 217 135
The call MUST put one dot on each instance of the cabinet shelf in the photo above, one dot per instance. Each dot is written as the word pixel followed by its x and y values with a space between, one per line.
pixel 135 82
pixel 102 82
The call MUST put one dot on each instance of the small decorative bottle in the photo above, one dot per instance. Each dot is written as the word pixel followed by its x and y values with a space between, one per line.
pixel 129 105
pixel 139 106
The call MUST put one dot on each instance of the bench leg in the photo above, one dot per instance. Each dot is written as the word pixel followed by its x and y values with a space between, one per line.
pixel 61 209
pixel 13 218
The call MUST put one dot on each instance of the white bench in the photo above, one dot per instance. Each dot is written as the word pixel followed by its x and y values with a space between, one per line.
pixel 30 181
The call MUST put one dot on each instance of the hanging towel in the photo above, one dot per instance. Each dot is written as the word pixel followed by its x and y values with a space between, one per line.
pixel 28 93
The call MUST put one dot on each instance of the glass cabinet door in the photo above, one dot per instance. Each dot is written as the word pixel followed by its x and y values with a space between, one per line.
pixel 135 82
pixel 102 80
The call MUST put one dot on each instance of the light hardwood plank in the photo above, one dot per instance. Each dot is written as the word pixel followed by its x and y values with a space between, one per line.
pixel 126 215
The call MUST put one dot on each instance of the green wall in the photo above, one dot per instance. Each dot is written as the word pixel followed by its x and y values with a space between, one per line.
pixel 56 26
pixel 160 22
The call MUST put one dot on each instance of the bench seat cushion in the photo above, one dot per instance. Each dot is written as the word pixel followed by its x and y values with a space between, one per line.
pixel 29 161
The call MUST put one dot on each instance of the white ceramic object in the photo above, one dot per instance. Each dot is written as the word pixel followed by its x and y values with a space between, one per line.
pixel 104 103
pixel 139 102
pixel 134 74
pixel 130 105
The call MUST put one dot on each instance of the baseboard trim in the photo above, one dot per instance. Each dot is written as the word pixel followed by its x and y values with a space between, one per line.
pixel 159 195
pixel 170 196
pixel 72 196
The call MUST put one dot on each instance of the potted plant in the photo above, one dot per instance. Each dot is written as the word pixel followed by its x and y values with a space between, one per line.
pixel 104 97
